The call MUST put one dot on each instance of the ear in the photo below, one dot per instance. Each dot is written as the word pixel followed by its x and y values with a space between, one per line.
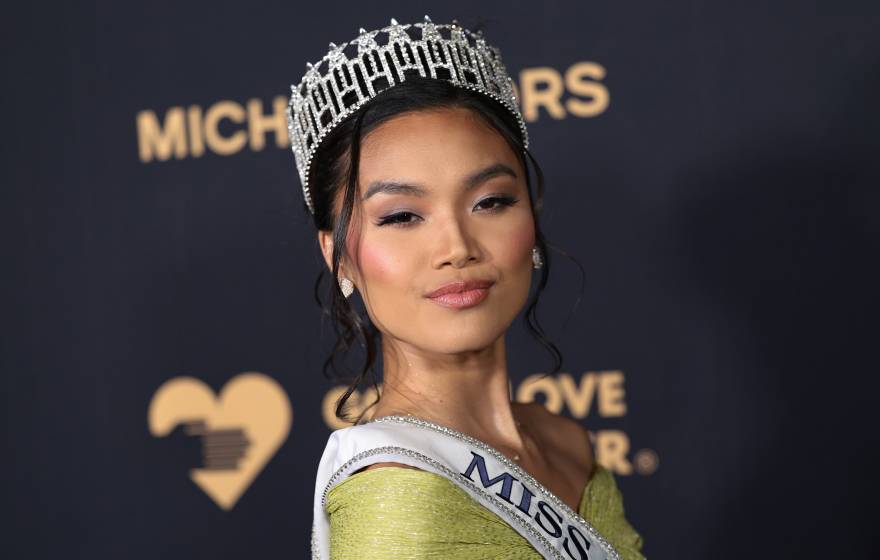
pixel 325 242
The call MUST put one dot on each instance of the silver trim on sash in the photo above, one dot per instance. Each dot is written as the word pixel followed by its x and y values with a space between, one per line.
pixel 515 518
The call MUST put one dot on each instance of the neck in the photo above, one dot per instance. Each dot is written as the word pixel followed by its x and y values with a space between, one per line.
pixel 468 392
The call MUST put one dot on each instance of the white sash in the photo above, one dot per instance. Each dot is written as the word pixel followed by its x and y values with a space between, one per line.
pixel 502 486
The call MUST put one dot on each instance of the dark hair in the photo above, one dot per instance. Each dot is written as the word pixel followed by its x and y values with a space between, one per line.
pixel 335 166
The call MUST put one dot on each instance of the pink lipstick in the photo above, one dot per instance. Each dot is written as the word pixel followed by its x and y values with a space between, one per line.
pixel 461 294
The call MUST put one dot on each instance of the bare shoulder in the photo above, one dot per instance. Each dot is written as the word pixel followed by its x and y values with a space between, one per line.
pixel 561 433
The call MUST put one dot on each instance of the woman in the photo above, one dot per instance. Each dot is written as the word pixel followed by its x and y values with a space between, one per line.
pixel 412 155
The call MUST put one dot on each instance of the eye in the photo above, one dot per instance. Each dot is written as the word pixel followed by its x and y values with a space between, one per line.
pixel 399 219
pixel 502 201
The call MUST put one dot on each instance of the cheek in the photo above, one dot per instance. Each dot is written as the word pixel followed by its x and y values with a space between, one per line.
pixel 371 260
pixel 376 262
pixel 380 263
pixel 518 244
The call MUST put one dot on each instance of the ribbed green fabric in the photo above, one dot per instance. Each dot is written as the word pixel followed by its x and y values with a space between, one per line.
pixel 393 512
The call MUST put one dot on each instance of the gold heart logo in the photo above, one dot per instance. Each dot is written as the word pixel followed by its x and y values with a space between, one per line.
pixel 241 429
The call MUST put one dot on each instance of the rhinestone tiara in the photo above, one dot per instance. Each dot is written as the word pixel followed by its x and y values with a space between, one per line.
pixel 342 81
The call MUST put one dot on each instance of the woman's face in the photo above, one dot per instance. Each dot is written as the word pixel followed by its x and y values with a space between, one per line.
pixel 442 198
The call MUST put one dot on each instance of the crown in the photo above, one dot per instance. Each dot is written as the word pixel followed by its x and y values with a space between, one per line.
pixel 353 73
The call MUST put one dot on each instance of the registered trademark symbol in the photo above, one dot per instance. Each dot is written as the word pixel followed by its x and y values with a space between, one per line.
pixel 646 461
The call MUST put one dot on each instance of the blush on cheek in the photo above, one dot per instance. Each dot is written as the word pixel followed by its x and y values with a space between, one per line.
pixel 378 262
pixel 521 241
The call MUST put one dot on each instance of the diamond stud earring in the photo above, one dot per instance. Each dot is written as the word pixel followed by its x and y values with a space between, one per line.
pixel 346 286
pixel 537 260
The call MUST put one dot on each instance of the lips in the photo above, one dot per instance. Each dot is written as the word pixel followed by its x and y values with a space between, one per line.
pixel 460 295
pixel 460 286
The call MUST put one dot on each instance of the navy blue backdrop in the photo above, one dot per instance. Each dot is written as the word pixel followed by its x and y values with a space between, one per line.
pixel 711 165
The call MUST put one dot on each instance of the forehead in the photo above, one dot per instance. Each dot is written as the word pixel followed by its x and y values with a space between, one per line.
pixel 434 144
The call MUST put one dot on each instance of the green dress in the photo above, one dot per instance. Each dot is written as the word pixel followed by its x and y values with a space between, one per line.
pixel 393 512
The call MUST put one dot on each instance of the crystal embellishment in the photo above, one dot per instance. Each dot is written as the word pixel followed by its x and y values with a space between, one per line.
pixel 353 73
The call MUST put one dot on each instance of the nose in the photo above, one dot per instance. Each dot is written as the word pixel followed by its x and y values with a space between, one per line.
pixel 456 246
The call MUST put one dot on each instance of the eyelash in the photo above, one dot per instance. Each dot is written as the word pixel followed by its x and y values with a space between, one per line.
pixel 395 219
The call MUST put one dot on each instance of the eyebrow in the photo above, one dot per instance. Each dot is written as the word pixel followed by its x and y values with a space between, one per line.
pixel 470 182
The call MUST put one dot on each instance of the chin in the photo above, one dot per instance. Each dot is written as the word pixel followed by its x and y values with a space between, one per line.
pixel 462 336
